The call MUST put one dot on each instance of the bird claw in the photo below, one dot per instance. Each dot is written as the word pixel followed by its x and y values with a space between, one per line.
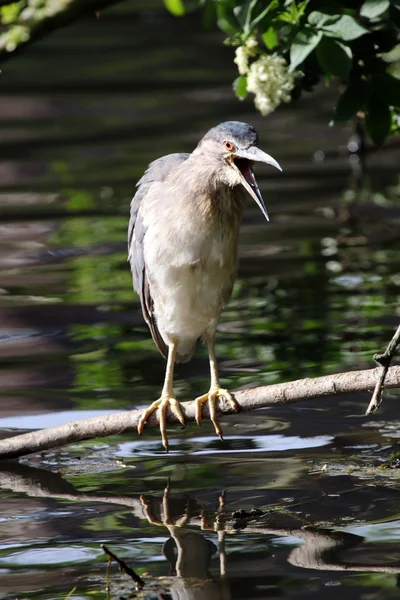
pixel 162 403
pixel 167 519
pixel 211 397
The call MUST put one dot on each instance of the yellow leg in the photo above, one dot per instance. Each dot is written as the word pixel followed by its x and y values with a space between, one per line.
pixel 166 519
pixel 214 392
pixel 166 399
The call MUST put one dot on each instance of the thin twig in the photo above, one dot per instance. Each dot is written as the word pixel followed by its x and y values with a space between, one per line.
pixel 124 567
pixel 251 399
pixel 383 360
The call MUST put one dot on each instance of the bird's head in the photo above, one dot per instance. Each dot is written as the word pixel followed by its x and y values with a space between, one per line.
pixel 232 147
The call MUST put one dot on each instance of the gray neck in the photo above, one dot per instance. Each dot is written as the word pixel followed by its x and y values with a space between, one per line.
pixel 210 196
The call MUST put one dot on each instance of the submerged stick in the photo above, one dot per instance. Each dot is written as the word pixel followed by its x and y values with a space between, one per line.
pixel 123 567
pixel 383 360
pixel 251 399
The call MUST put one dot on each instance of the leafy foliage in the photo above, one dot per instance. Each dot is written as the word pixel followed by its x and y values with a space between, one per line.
pixel 351 43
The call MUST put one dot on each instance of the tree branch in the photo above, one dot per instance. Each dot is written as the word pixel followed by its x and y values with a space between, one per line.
pixel 384 361
pixel 251 399
pixel 50 17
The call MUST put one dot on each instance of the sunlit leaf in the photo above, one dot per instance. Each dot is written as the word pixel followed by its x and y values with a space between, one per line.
pixel 175 7
pixel 270 38
pixel 346 28
pixel 393 55
pixel 286 17
pixel 301 7
pixel 318 19
pixel 240 87
pixel 226 19
pixel 374 8
pixel 334 58
pixel 10 13
pixel 303 44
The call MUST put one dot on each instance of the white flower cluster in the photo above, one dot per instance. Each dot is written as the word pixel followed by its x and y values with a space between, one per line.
pixel 268 77
pixel 242 60
pixel 243 53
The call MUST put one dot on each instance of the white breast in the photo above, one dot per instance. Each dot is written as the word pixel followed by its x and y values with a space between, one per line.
pixel 191 267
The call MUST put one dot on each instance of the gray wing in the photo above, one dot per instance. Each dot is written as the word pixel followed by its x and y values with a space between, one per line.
pixel 157 171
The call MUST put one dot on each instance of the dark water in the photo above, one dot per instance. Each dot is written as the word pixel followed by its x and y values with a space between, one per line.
pixel 81 115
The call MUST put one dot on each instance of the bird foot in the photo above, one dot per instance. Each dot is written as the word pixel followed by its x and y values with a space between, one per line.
pixel 167 519
pixel 162 403
pixel 211 397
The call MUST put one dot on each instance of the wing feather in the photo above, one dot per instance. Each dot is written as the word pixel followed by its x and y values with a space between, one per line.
pixel 157 171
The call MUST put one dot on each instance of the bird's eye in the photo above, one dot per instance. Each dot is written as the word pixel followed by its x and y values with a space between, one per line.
pixel 229 146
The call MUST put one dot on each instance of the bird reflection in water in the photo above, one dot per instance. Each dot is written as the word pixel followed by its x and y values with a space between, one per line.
pixel 189 553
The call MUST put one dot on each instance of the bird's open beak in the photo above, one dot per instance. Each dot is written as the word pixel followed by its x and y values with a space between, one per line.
pixel 242 161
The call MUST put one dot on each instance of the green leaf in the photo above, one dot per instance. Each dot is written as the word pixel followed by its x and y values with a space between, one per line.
pixel 175 7
pixel 334 58
pixel 270 38
pixel 301 8
pixel 374 8
pixel 295 12
pixel 395 127
pixel 226 19
pixel 378 120
pixel 10 14
pixel 243 14
pixel 346 28
pixel 318 19
pixel 354 99
pixel 249 26
pixel 303 44
pixel 270 8
pixel 393 55
pixel 209 14
pixel 240 87
pixel 286 17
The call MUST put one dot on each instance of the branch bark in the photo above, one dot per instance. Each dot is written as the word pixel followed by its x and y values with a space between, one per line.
pixel 251 399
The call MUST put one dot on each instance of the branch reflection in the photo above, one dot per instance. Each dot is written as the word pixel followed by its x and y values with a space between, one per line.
pixel 189 549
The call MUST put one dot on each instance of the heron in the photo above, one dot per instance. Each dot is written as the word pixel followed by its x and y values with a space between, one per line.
pixel 183 252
